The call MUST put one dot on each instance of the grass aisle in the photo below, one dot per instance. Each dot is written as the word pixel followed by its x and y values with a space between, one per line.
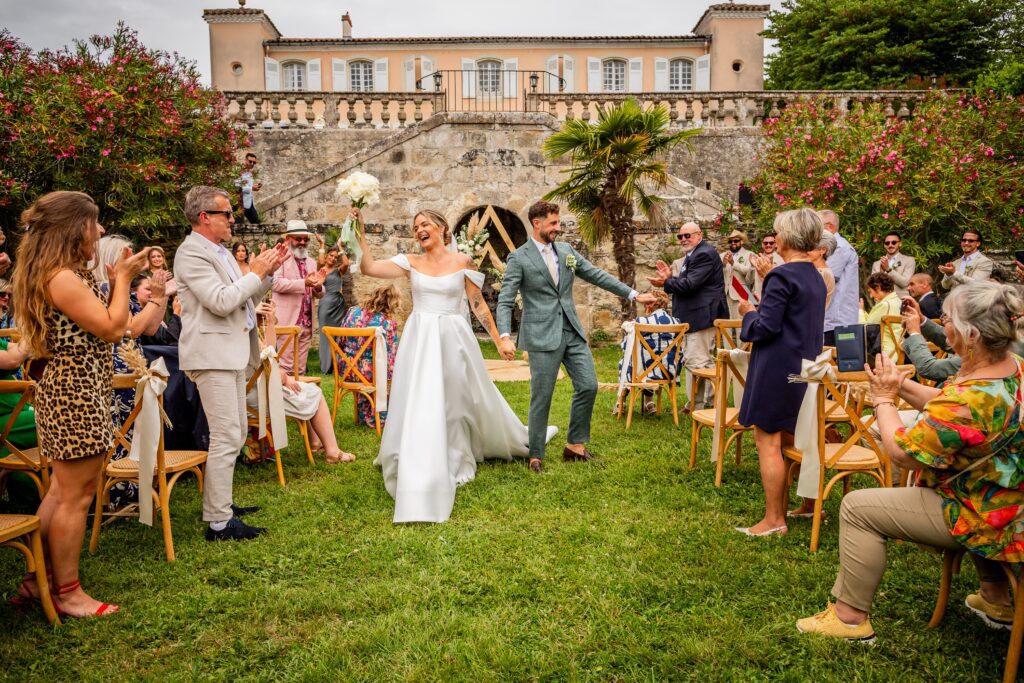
pixel 627 569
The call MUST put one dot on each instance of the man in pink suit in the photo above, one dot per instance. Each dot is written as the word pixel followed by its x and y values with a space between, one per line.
pixel 295 286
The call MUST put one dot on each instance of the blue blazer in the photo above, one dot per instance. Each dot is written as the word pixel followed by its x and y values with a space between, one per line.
pixel 698 292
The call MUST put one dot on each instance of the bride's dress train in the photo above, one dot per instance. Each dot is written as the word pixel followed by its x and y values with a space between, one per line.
pixel 444 413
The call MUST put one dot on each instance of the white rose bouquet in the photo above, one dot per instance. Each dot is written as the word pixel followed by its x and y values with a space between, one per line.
pixel 361 189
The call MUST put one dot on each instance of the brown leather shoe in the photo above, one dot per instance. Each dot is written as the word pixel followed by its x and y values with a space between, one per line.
pixel 536 465
pixel 571 456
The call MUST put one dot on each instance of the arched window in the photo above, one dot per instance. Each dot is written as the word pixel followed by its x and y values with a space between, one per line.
pixel 680 74
pixel 488 76
pixel 294 75
pixel 613 75
pixel 361 76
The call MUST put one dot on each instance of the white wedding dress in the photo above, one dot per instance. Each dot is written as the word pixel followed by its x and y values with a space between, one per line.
pixel 444 413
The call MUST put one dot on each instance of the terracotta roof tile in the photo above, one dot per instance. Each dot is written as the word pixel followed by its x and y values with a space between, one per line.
pixel 482 39
pixel 240 12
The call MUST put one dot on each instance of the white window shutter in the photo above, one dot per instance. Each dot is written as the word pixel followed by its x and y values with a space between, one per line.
pixel 410 73
pixel 569 73
pixel 271 74
pixel 703 79
pixel 593 74
pixel 380 75
pixel 636 74
pixel 468 78
pixel 313 82
pixel 551 77
pixel 426 68
pixel 660 74
pixel 339 73
pixel 509 77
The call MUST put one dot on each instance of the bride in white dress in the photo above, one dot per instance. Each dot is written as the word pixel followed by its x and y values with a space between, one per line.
pixel 444 413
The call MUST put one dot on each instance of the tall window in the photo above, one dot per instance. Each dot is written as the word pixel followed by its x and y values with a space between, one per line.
pixel 614 75
pixel 294 76
pixel 361 76
pixel 488 76
pixel 680 74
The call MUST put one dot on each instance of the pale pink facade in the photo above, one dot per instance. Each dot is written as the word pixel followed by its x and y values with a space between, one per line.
pixel 725 52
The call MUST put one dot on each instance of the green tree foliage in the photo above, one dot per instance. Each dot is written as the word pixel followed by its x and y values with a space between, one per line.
pixel 1006 74
pixel 616 163
pixel 953 165
pixel 131 127
pixel 869 44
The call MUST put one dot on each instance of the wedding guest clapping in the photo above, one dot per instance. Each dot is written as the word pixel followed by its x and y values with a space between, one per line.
pixel 158 263
pixel 966 447
pixel 785 329
pixel 61 314
pixel 921 330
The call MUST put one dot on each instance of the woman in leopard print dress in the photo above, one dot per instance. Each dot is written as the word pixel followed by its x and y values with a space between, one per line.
pixel 61 315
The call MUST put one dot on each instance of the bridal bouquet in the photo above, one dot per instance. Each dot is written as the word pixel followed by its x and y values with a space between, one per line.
pixel 361 189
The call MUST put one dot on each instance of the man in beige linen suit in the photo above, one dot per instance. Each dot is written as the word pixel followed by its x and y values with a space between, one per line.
pixel 895 264
pixel 219 343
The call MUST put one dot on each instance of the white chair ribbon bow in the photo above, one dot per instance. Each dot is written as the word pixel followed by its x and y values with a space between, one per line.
pixel 629 327
pixel 146 434
pixel 380 369
pixel 740 360
pixel 806 436
pixel 270 396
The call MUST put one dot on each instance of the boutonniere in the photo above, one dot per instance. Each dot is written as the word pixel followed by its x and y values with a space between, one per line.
pixel 570 262
pixel 969 269
pixel 739 260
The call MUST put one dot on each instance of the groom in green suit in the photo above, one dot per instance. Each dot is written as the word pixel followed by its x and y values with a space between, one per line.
pixel 544 271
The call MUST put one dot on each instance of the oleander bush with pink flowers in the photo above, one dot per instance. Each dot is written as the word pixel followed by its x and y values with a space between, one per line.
pixel 954 164
pixel 132 127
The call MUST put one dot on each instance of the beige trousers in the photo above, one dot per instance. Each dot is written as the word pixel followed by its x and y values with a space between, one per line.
pixel 223 396
pixel 868 518
pixel 697 353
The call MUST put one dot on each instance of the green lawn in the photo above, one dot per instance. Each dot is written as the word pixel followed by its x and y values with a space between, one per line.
pixel 627 569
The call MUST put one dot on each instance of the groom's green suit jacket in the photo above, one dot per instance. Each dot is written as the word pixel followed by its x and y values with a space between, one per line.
pixel 547 306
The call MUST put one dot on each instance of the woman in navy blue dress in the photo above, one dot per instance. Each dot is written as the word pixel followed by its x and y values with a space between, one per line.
pixel 787 327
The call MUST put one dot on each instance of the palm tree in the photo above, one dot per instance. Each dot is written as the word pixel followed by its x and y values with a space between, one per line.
pixel 617 162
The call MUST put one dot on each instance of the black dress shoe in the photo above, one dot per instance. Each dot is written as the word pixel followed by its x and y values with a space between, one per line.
pixel 536 465
pixel 571 456
pixel 236 530
pixel 247 510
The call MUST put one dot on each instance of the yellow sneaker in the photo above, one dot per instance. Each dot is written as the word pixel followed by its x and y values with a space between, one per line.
pixel 995 616
pixel 828 624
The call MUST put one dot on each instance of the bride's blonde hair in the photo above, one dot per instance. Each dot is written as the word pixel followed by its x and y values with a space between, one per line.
pixel 438 220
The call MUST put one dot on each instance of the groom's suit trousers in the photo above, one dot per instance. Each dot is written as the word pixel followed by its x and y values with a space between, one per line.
pixel 574 354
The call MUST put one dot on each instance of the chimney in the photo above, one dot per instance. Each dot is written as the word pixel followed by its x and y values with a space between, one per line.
pixel 346 26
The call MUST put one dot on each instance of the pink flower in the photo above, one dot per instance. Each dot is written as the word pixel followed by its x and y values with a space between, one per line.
pixel 886 217
pixel 105 153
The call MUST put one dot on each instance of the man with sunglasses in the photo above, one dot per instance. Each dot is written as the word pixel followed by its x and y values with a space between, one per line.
pixel 697 285
pixel 973 265
pixel 738 272
pixel 899 267
pixel 219 344
pixel 769 249
pixel 296 284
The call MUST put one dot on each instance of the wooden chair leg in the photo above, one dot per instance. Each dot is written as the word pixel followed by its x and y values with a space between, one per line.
pixel 376 414
pixel 675 404
pixel 36 539
pixel 816 524
pixel 164 501
pixel 949 567
pixel 720 463
pixel 739 447
pixel 694 438
pixel 304 430
pixel 632 402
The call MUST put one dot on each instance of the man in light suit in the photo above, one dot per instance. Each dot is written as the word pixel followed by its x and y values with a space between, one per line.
pixel 296 284
pixel 899 267
pixel 544 271
pixel 769 248
pixel 219 343
pixel 973 265
pixel 738 274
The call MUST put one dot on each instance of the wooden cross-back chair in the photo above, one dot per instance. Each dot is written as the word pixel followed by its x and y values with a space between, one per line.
pixel 22 533
pixel 30 461
pixel 891 328
pixel 252 418
pixel 348 378
pixel 951 560
pixel 170 466
pixel 724 412
pixel 288 335
pixel 642 377
pixel 857 453
pixel 724 339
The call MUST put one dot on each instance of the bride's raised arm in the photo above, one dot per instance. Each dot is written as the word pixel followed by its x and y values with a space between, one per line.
pixel 385 270
pixel 477 303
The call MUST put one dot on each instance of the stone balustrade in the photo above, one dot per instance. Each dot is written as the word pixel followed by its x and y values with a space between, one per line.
pixel 401 109
pixel 331 109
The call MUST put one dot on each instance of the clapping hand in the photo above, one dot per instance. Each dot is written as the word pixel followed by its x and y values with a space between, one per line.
pixel 158 284
pixel 269 260
pixel 746 307
pixel 664 273
pixel 883 263
pixel 727 258
pixel 128 265
pixel 885 380
pixel 762 264
pixel 947 269
pixel 912 316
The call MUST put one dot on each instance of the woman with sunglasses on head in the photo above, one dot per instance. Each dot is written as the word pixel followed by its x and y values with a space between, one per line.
pixel 6 314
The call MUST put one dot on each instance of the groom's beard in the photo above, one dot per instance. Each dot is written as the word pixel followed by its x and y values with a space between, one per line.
pixel 299 252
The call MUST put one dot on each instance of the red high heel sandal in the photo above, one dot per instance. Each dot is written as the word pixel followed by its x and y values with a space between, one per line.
pixel 103 610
